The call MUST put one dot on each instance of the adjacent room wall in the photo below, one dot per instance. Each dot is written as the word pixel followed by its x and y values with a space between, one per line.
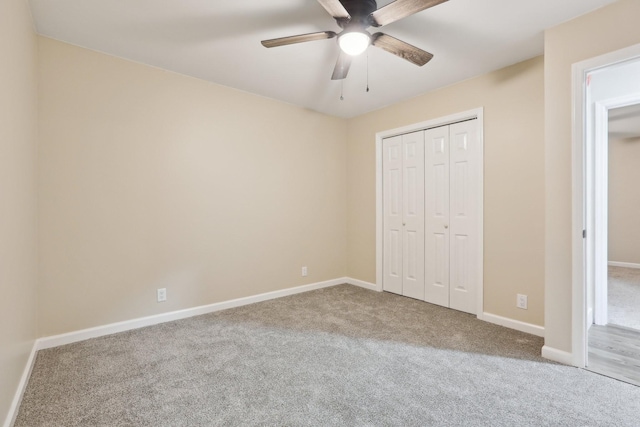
pixel 624 200
pixel 605 30
pixel 18 253
pixel 514 181
pixel 150 179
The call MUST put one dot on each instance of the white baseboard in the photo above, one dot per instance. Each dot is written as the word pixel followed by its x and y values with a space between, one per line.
pixel 363 284
pixel 557 355
pixel 513 324
pixel 99 331
pixel 22 385
pixel 624 264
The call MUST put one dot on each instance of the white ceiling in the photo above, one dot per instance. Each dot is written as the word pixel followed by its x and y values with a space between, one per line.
pixel 219 41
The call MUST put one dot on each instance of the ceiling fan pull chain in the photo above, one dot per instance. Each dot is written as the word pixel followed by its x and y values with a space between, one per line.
pixel 367 70
pixel 342 90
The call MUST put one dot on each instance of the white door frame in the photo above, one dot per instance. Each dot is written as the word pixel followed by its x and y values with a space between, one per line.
pixel 477 113
pixel 589 194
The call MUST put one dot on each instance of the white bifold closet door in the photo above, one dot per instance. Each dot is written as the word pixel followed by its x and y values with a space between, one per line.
pixel 450 211
pixel 404 233
pixel 431 190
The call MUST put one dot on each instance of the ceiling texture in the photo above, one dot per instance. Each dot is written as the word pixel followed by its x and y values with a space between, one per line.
pixel 219 41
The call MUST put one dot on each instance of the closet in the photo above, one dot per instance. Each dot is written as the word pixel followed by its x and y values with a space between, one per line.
pixel 431 192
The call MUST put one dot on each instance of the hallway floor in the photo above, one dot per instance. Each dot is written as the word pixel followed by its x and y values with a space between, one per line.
pixel 624 297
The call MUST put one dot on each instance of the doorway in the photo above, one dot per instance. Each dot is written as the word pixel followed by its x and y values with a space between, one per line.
pixel 623 278
pixel 614 338
pixel 601 85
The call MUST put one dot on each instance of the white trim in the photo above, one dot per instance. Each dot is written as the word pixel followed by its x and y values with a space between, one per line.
pixel 528 328
pixel 601 213
pixel 477 113
pixel 363 284
pixel 582 215
pixel 624 264
pixel 557 355
pixel 22 385
pixel 480 213
pixel 379 213
pixel 99 331
pixel 429 124
pixel 578 242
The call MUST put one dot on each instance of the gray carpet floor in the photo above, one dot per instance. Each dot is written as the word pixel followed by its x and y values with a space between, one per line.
pixel 624 297
pixel 340 356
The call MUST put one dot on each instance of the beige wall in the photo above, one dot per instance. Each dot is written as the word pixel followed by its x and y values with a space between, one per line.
pixel 624 200
pixel 605 30
pixel 151 179
pixel 514 181
pixel 18 255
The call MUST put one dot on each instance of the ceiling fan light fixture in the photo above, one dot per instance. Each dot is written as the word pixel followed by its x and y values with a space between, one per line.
pixel 354 42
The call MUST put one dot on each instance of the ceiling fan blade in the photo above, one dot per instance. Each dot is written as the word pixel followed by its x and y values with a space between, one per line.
pixel 401 9
pixel 282 41
pixel 335 9
pixel 402 49
pixel 342 67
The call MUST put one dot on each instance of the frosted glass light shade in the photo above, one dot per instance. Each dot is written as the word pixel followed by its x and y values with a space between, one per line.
pixel 354 43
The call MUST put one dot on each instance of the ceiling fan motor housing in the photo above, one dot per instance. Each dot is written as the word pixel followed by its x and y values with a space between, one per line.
pixel 360 11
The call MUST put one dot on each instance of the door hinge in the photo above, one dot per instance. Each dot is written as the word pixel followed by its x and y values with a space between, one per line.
pixel 584 234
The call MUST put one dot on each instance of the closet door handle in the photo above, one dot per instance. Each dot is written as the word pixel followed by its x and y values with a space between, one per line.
pixel 446 226
pixel 404 223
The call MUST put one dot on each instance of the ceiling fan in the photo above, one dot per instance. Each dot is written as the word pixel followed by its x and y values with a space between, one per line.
pixel 354 17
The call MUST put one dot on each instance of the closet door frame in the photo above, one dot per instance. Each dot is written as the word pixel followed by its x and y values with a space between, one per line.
pixel 478 114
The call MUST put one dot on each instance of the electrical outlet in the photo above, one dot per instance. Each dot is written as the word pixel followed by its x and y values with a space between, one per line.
pixel 305 272
pixel 162 294
pixel 522 301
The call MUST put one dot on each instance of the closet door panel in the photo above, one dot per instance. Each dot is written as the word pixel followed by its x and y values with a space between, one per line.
pixel 437 216
pixel 392 220
pixel 463 190
pixel 413 215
